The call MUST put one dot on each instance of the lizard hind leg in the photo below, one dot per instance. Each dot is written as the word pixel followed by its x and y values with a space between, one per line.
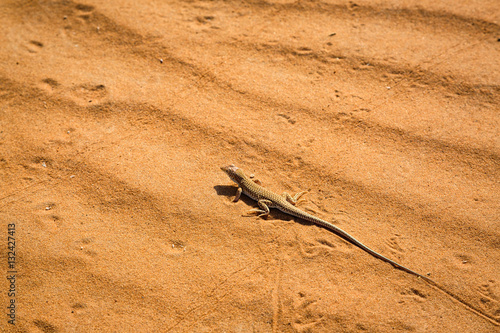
pixel 293 200
pixel 264 211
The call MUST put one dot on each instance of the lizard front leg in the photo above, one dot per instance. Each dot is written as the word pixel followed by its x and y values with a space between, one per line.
pixel 238 194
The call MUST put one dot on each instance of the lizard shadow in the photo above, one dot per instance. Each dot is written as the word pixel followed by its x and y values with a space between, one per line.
pixel 226 190
pixel 229 191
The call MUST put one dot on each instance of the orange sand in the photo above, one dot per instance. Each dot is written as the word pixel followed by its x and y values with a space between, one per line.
pixel 116 115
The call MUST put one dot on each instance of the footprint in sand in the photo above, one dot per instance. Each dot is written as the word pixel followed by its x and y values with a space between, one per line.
pixel 34 46
pixel 288 118
pixel 84 12
pixel 84 94
pixel 49 218
pixel 85 245
pixel 45 327
pixel 49 85
pixel 78 308
pixel 303 51
pixel 393 244
pixel 305 313
pixel 415 294
pixel 38 163
pixel 88 94
pixel 489 296
pixel 322 247
pixel 334 58
pixel 462 260
pixel 176 247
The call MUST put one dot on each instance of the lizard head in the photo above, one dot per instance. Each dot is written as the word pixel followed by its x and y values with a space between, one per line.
pixel 235 173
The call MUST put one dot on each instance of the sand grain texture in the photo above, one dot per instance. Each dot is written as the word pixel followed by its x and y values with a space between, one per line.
pixel 116 115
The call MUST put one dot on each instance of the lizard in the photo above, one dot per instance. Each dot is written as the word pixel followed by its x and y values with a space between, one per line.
pixel 267 199
pixel 286 203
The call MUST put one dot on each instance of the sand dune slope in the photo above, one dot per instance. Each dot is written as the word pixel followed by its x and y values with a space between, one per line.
pixel 116 115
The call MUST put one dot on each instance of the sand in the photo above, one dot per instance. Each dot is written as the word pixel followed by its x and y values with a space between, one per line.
pixel 116 115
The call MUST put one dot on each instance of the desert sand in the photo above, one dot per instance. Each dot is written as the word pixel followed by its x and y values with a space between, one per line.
pixel 116 115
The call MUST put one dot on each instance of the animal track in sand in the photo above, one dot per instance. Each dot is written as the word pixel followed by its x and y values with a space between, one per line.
pixel 489 297
pixel 34 46
pixel 78 308
pixel 176 247
pixel 48 217
pixel 393 244
pixel 462 260
pixel 305 313
pixel 85 244
pixel 321 247
pixel 84 12
pixel 88 94
pixel 49 85
pixel 83 94
pixel 38 163
pixel 45 327
pixel 301 51
pixel 414 294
